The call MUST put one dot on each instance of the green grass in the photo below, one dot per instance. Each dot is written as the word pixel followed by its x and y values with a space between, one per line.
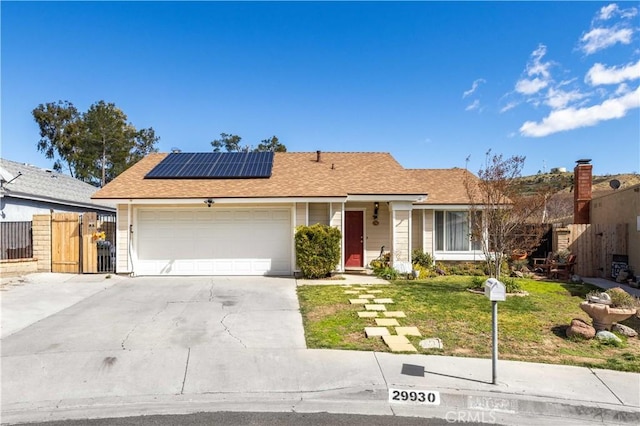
pixel 531 328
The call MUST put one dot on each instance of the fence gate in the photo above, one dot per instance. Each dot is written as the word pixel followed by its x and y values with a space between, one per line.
pixel 65 242
pixel 98 243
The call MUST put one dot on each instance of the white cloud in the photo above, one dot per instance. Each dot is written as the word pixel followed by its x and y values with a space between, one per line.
pixel 572 118
pixel 622 89
pixel 537 69
pixel 601 38
pixel 474 86
pixel 536 66
pixel 529 87
pixel 473 106
pixel 600 74
pixel 507 107
pixel 607 11
pixel 558 99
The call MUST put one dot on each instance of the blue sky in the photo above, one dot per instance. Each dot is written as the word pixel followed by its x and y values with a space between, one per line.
pixel 432 83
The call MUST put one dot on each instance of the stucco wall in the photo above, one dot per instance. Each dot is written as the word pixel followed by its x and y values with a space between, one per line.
pixel 621 206
pixel 19 210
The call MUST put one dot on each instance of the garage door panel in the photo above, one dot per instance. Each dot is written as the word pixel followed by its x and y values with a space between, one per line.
pixel 214 242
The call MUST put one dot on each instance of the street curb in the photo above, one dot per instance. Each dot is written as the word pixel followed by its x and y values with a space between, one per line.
pixel 456 407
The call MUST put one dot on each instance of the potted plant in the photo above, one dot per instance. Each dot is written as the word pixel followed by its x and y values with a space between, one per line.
pixel 607 307
pixel 518 254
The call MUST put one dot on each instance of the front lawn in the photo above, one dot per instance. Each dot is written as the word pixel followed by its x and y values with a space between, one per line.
pixel 531 328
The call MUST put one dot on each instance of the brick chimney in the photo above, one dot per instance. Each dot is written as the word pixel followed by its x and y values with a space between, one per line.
pixel 582 191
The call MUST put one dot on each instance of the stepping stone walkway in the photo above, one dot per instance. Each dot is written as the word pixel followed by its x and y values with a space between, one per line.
pixel 397 342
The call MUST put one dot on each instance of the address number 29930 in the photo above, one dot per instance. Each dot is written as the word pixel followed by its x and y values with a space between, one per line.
pixel 414 397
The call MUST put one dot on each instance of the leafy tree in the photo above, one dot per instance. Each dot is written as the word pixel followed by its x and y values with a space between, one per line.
pixel 96 145
pixel 496 196
pixel 59 125
pixel 271 144
pixel 231 143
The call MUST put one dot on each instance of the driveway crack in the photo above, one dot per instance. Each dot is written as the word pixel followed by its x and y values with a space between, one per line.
pixel 229 331
pixel 186 368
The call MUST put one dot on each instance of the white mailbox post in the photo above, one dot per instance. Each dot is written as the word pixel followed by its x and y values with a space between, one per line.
pixel 495 291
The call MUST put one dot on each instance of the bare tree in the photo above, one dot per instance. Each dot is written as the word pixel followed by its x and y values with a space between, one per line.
pixel 508 215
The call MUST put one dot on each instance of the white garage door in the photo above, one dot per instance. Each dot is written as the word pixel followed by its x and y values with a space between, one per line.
pixel 214 241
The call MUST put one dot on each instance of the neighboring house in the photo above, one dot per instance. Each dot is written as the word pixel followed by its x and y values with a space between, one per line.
pixel 236 213
pixel 26 190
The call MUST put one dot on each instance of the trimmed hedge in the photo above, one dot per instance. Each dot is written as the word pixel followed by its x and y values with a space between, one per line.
pixel 317 250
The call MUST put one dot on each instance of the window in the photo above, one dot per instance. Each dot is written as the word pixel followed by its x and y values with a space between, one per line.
pixel 453 232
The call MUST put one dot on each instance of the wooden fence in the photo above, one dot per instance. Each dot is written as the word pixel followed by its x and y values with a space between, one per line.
pixel 594 245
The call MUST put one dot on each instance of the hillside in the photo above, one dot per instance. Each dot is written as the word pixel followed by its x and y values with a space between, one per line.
pixel 563 182
pixel 560 204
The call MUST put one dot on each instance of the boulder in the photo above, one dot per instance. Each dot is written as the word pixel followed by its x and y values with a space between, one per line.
pixel 581 329
pixel 624 330
pixel 607 335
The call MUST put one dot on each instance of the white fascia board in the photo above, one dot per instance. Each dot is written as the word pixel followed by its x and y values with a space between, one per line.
pixel 413 198
pixel 400 205
pixel 274 200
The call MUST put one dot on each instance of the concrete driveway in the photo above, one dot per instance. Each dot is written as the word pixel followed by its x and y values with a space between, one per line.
pixel 139 333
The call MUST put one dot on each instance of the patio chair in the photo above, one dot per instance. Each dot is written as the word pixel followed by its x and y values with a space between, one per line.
pixel 543 264
pixel 564 270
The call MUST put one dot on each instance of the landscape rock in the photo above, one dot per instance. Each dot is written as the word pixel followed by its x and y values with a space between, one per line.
pixel 432 343
pixel 624 330
pixel 580 328
pixel 607 335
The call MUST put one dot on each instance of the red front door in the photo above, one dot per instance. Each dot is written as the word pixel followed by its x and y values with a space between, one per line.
pixel 353 239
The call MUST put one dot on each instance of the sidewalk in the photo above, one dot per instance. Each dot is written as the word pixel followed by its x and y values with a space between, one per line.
pixel 211 378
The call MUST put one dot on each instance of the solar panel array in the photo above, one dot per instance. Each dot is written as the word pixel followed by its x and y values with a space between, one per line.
pixel 213 165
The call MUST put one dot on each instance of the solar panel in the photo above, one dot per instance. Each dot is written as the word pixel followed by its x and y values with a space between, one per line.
pixel 214 165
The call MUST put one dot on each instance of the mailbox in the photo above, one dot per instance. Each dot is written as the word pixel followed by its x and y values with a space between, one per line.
pixel 495 290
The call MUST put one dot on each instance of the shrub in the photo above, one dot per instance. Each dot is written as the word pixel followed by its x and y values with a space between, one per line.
pixel 622 299
pixel 423 272
pixel 387 273
pixel 424 259
pixel 317 250
pixel 511 285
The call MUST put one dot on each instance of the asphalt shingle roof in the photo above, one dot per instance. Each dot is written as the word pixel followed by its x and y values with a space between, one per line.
pixel 296 174
pixel 46 185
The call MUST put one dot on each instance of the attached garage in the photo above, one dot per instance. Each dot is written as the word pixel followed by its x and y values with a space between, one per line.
pixel 213 241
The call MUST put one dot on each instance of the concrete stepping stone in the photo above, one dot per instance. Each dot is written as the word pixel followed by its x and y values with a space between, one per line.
pixel 383 300
pixel 376 331
pixel 358 301
pixel 375 291
pixel 368 314
pixel 360 288
pixel 432 343
pixel 374 307
pixel 387 321
pixel 395 314
pixel 366 296
pixel 408 331
pixel 351 292
pixel 399 344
